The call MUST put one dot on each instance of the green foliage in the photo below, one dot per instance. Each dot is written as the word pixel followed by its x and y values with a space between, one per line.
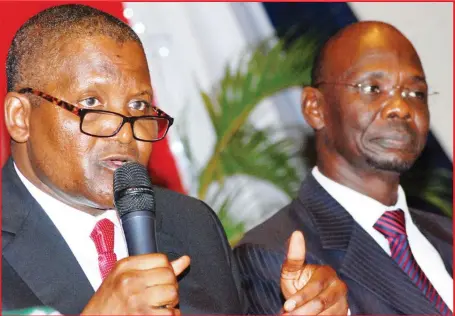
pixel 255 153
pixel 265 72
pixel 240 149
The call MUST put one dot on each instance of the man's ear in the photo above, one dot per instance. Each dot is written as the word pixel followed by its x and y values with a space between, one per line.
pixel 17 116
pixel 312 107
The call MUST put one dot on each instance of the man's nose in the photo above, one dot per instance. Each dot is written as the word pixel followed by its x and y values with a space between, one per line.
pixel 397 108
pixel 125 135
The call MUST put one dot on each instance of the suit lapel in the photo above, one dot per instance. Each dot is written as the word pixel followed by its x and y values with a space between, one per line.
pixel 364 261
pixel 38 253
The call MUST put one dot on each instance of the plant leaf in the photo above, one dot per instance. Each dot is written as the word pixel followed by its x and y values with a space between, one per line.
pixel 264 73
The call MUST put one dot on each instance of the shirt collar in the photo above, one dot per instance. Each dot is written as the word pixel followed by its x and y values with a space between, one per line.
pixel 365 210
pixel 66 218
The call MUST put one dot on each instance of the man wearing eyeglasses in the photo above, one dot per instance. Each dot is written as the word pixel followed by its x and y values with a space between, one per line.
pixel 368 105
pixel 80 104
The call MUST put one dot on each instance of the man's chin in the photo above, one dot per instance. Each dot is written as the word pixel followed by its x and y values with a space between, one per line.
pixel 101 201
pixel 392 164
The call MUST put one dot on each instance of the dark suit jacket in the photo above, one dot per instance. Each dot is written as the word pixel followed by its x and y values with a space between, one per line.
pixel 40 269
pixel 375 282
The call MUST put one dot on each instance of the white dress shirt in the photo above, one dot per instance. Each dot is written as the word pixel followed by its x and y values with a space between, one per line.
pixel 366 211
pixel 76 226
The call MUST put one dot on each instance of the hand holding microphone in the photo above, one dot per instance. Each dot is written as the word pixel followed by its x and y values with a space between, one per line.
pixel 146 281
pixel 139 285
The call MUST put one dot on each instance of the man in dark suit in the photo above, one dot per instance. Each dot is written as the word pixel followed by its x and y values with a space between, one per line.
pixel 368 107
pixel 77 77
pixel 57 188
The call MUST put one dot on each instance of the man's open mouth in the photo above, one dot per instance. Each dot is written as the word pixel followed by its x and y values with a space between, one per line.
pixel 114 162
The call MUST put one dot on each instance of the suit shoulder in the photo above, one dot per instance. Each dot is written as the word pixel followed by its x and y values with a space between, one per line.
pixel 276 230
pixel 192 221
pixel 438 225
pixel 181 204
pixel 183 213
pixel 432 217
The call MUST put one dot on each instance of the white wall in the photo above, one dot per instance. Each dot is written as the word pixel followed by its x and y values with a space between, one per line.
pixel 429 26
pixel 200 39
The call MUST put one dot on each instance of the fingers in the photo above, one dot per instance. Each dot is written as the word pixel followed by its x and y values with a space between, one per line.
pixel 151 261
pixel 147 289
pixel 310 308
pixel 143 262
pixel 163 295
pixel 157 299
pixel 154 311
pixel 301 288
pixel 164 311
pixel 140 285
pixel 180 264
pixel 131 282
pixel 323 291
pixel 339 308
pixel 321 277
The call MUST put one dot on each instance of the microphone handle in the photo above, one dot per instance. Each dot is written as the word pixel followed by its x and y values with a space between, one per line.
pixel 140 234
pixel 139 228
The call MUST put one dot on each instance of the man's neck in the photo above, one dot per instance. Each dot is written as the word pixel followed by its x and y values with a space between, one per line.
pixel 379 185
pixel 26 169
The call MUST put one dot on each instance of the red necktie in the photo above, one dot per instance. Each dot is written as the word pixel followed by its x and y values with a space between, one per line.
pixel 392 226
pixel 103 237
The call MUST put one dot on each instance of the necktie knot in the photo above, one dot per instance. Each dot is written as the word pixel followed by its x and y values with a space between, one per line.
pixel 103 237
pixel 391 224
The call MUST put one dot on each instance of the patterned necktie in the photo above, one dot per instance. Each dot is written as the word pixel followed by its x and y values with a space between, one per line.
pixel 103 237
pixel 392 226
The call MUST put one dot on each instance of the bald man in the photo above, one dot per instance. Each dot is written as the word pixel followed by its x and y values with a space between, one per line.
pixel 368 106
pixel 79 105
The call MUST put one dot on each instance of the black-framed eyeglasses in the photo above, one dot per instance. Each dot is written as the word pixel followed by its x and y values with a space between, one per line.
pixel 376 90
pixel 100 123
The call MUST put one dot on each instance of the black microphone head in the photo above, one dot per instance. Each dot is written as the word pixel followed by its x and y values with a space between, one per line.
pixel 133 189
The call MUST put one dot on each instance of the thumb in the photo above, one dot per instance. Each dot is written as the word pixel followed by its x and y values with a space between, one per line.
pixel 295 257
pixel 179 265
pixel 296 248
pixel 293 264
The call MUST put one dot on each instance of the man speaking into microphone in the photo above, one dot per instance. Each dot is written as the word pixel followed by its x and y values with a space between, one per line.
pixel 79 106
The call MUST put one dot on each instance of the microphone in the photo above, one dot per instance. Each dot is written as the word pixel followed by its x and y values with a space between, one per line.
pixel 134 200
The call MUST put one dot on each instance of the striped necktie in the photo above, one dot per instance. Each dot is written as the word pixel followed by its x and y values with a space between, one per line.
pixel 103 237
pixel 392 226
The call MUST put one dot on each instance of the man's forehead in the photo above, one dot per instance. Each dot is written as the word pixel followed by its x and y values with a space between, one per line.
pixel 373 50
pixel 379 63
pixel 103 55
pixel 90 62
pixel 102 47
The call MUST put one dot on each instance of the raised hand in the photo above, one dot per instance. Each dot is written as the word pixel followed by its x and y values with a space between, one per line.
pixel 310 289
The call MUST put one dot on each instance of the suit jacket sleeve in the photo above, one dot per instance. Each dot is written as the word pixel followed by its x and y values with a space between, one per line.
pixel 231 260
pixel 186 225
pixel 260 277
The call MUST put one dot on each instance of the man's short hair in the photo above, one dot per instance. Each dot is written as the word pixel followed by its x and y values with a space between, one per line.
pixel 40 34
